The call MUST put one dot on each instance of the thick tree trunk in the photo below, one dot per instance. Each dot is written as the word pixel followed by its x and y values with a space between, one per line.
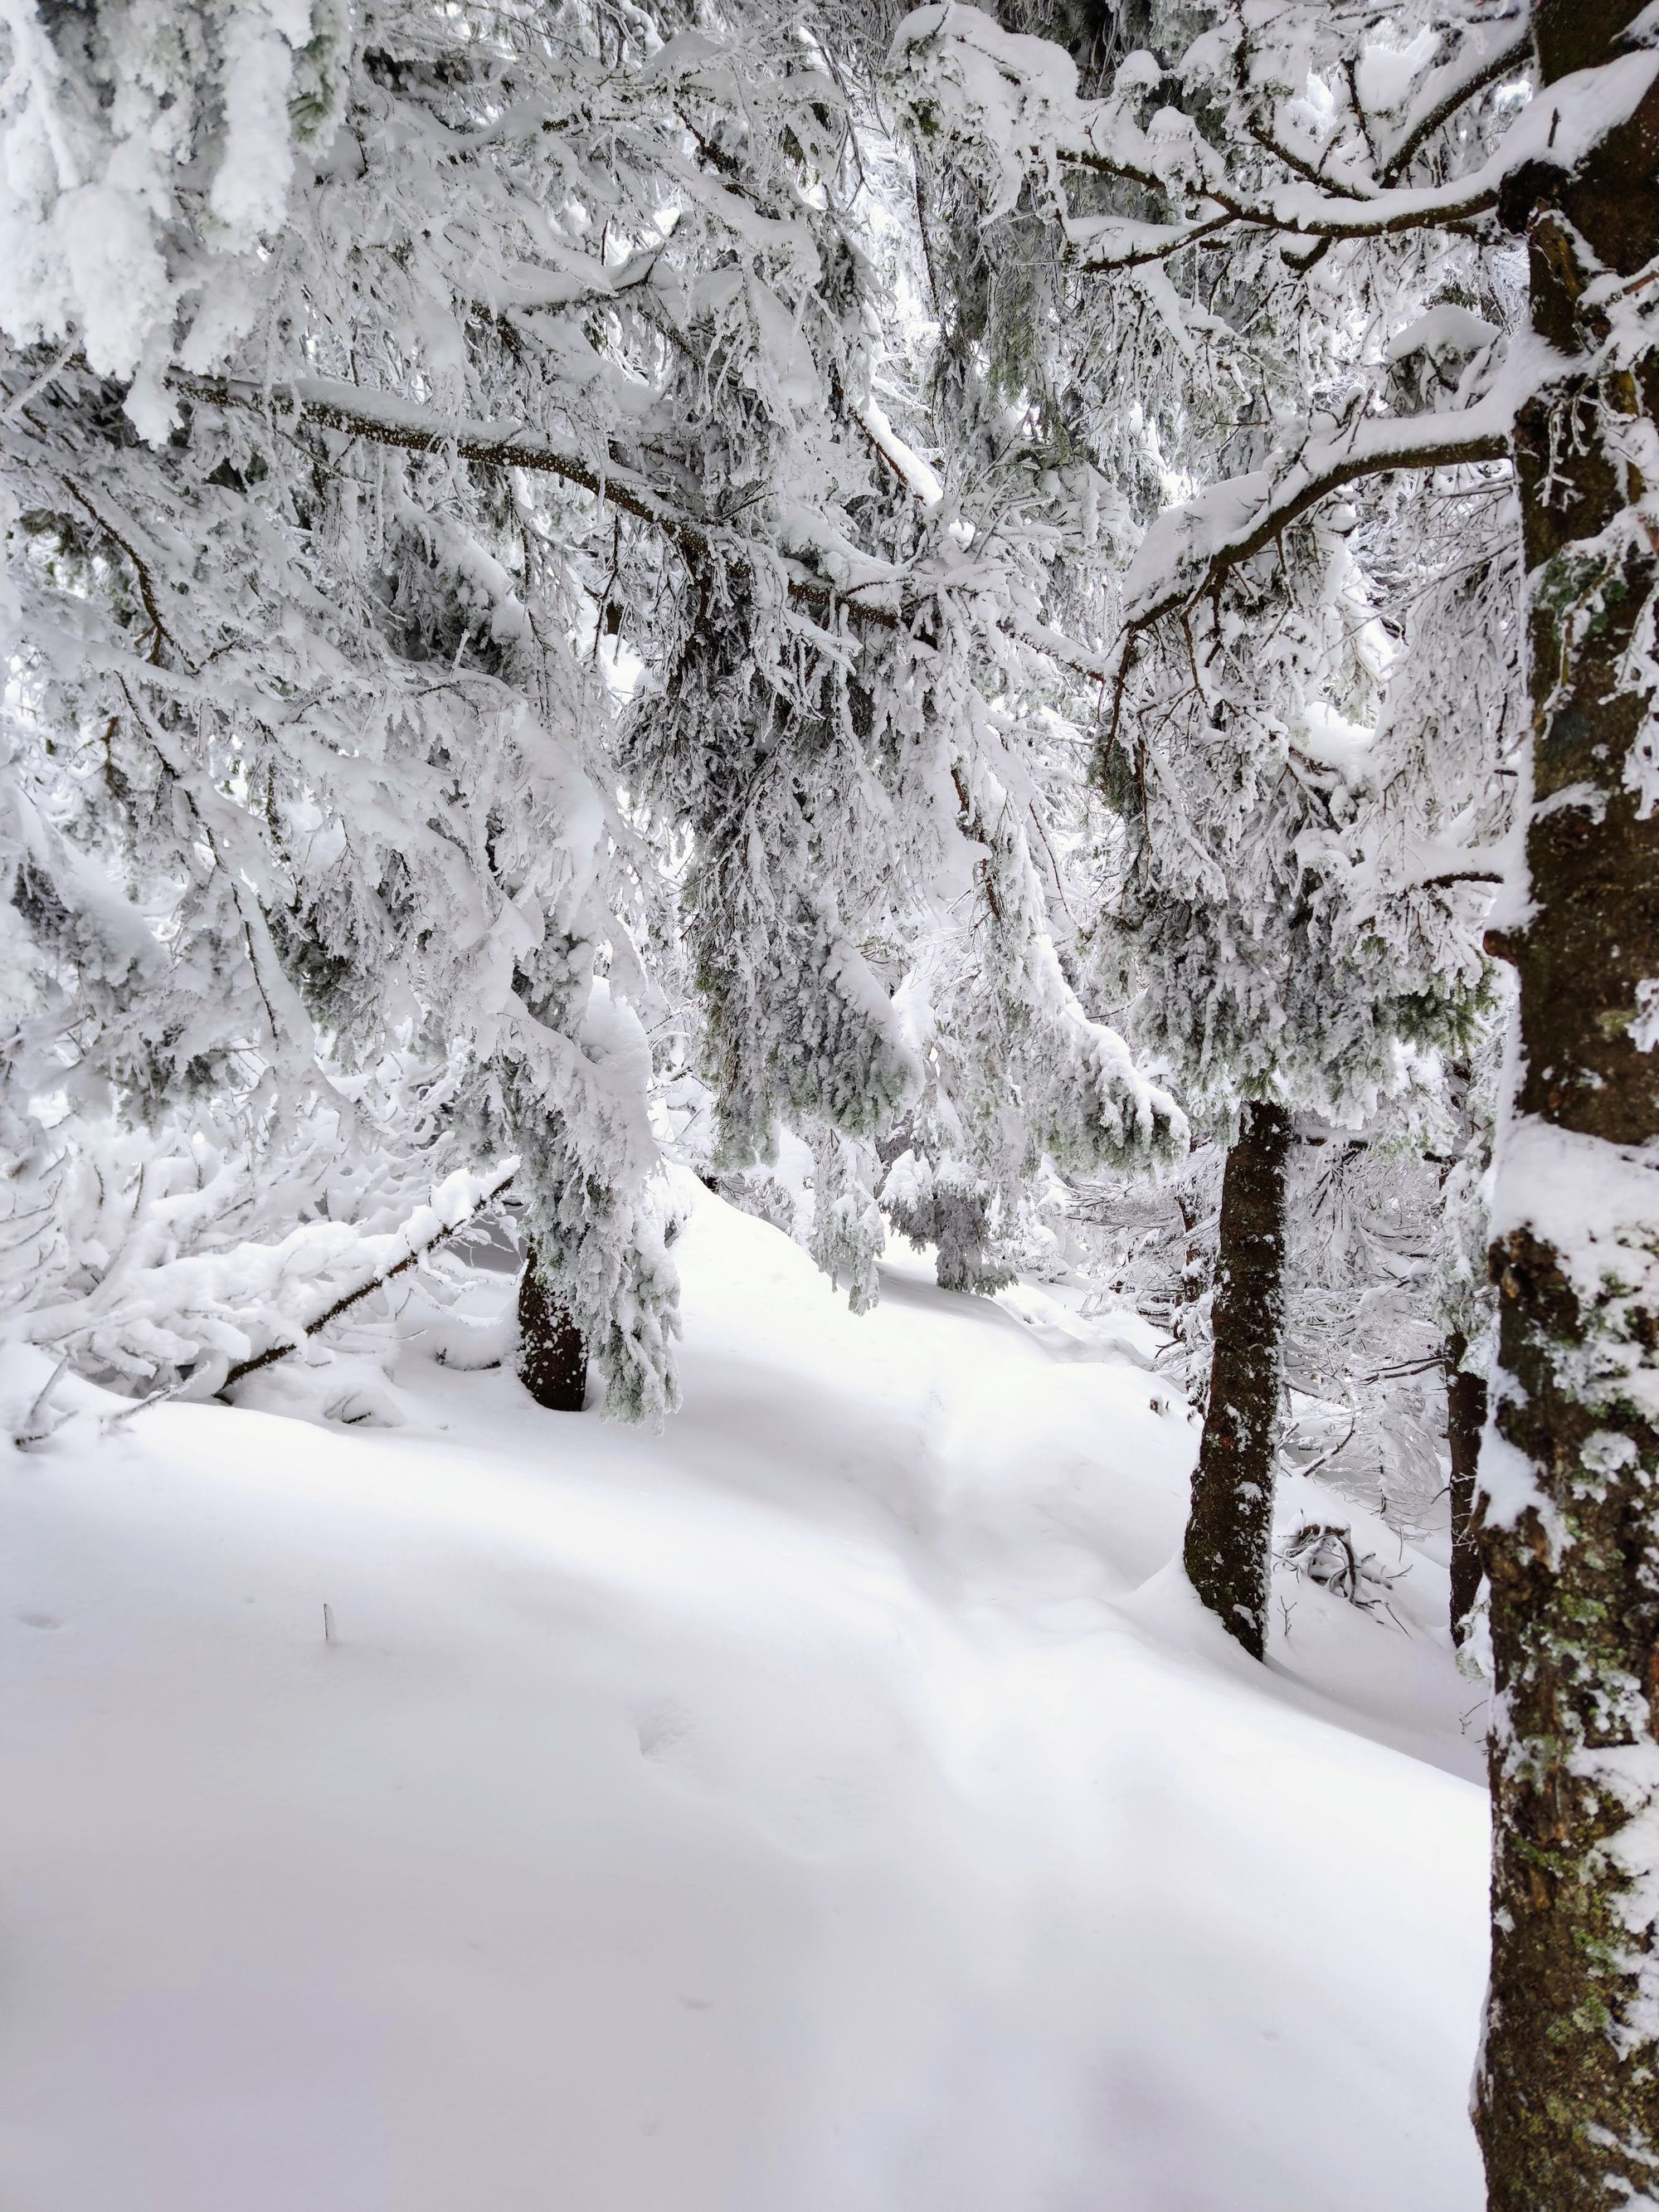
pixel 1567 2100
pixel 552 1356
pixel 1466 1419
pixel 1229 1528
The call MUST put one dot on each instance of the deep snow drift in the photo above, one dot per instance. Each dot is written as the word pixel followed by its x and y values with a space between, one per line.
pixel 834 1804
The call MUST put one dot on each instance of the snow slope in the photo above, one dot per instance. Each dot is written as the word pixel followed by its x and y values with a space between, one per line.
pixel 834 1804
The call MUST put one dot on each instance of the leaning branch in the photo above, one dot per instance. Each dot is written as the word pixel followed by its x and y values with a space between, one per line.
pixel 1179 573
pixel 418 1246
pixel 1464 84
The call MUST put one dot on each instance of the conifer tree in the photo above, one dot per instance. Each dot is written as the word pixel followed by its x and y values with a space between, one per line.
pixel 1309 148
pixel 1241 754
pixel 449 487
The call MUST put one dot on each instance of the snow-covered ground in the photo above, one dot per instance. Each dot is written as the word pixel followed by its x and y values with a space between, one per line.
pixel 834 1804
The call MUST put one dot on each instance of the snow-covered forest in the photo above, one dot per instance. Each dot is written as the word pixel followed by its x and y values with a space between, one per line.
pixel 829 1105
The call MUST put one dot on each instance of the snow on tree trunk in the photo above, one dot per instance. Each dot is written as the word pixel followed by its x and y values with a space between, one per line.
pixel 552 1356
pixel 1466 1417
pixel 1567 2100
pixel 1229 1528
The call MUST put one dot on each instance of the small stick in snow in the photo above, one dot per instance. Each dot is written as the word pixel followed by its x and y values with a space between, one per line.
pixel 37 1424
pixel 328 1622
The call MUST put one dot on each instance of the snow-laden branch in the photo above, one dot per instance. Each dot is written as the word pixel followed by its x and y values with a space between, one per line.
pixel 221 1298
pixel 459 1199
pixel 1016 97
pixel 1451 88
pixel 1190 548
pixel 1561 127
pixel 1305 211
pixel 1186 550
pixel 382 417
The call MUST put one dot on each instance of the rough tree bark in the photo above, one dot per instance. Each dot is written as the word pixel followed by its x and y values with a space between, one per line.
pixel 1567 2098
pixel 1466 1417
pixel 552 1356
pixel 1230 1528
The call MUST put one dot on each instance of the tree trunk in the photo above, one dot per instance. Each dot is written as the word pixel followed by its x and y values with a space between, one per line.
pixel 1229 1528
pixel 1567 2098
pixel 552 1356
pixel 1466 1419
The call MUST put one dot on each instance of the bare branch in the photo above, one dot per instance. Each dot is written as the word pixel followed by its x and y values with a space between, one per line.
pixel 1458 876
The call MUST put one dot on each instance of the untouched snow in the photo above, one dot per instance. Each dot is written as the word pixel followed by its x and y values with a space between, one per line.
pixel 834 1804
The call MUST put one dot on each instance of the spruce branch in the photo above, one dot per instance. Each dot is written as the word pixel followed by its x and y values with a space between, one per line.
pixel 1378 446
pixel 418 1251
pixel 383 419
pixel 356 411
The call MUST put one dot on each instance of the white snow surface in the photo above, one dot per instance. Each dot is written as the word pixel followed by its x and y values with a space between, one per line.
pixel 835 1803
